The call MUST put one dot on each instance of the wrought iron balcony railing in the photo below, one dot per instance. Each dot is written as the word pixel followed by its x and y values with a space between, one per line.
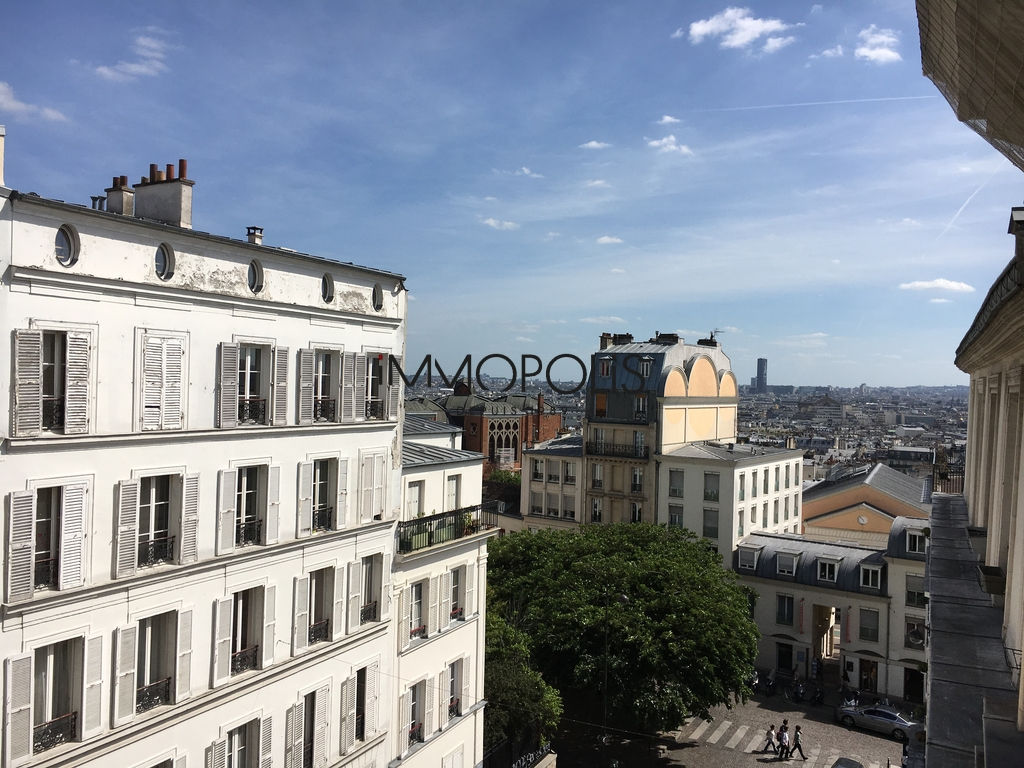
pixel 154 551
pixel 454 708
pixel 245 659
pixel 45 573
pixel 570 480
pixel 368 613
pixel 636 488
pixel 568 514
pixel 620 450
pixel 597 483
pixel 553 478
pixel 374 409
pixel 153 695
pixel 447 526
pixel 711 494
pixel 675 493
pixel 458 613
pixel 536 510
pixel 552 511
pixel 248 532
pixel 319 631
pixel 416 734
pixel 252 410
pixel 60 730
pixel 322 516
pixel 538 475
pixel 53 413
pixel 325 409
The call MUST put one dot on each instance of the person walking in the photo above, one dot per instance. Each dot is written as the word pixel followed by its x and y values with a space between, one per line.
pixel 770 740
pixel 783 743
pixel 797 744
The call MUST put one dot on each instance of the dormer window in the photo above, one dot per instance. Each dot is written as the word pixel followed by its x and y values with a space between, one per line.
pixel 605 366
pixel 916 542
pixel 748 558
pixel 827 570
pixel 785 564
pixel 645 366
pixel 870 576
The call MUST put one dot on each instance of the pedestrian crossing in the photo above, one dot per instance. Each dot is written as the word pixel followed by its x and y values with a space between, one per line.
pixel 741 739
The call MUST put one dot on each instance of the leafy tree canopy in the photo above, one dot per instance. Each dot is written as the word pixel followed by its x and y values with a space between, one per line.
pixel 680 639
pixel 505 476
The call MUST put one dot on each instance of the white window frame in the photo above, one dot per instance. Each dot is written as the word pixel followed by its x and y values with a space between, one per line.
pixel 869 574
pixel 750 554
pixel 827 569
pixel 920 541
pixel 782 571
pixel 166 421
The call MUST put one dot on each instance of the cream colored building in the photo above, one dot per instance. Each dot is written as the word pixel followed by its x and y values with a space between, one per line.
pixel 552 489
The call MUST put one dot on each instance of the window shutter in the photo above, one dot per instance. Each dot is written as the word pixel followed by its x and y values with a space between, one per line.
pixel 385 589
pixel 467 684
pixel 223 610
pixel 348 714
pixel 432 621
pixel 125 652
pixel 338 608
pixel 266 743
pixel 405 710
pixel 442 699
pixel 228 387
pixel 294 727
pixel 405 612
pixel 272 525
pixel 18 708
pixel 227 499
pixel 188 547
pixel 21 548
pixel 304 523
pixel 183 665
pixel 366 489
pixel 76 384
pixel 360 386
pixel 172 410
pixel 445 617
pixel 300 614
pixel 348 387
pixel 28 385
pixel 280 386
pixel 322 701
pixel 428 709
pixel 342 509
pixel 152 382
pixel 217 754
pixel 126 535
pixel 269 620
pixel 181 761
pixel 372 721
pixel 70 569
pixel 355 583
pixel 470 590
pixel 394 389
pixel 92 686
pixel 306 362
pixel 378 486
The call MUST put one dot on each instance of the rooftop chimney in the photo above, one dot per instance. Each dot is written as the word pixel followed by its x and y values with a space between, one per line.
pixel 254 235
pixel 163 198
pixel 606 340
pixel 120 198
pixel 622 338
pixel 3 133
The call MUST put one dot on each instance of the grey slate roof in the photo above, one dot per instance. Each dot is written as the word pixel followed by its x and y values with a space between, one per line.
pixel 420 425
pixel 740 453
pixel 902 487
pixel 458 404
pixel 849 557
pixel 566 445
pixel 421 455
pixel 898 537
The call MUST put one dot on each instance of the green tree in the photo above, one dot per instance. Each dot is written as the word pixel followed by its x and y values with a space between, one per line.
pixel 650 608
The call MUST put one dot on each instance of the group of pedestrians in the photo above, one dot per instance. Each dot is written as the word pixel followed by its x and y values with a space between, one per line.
pixel 782 743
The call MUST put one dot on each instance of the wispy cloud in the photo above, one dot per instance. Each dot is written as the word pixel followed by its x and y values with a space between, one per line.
pixel 499 224
pixel 669 144
pixel 668 120
pixel 736 28
pixel 10 104
pixel 835 52
pixel 814 103
pixel 940 301
pixel 150 60
pixel 524 171
pixel 804 340
pixel 878 45
pixel 598 184
pixel 967 202
pixel 773 44
pixel 593 144
pixel 552 235
pixel 608 240
pixel 618 271
pixel 524 339
pixel 939 284
pixel 602 320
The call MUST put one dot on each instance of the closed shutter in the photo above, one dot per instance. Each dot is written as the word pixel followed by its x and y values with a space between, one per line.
pixel 125 653
pixel 378 486
pixel 18 709
pixel 320 726
pixel 271 528
pixel 76 384
pixel 405 613
pixel 173 402
pixel 71 568
pixel 28 383
pixel 366 489
pixel 442 698
pixel 470 590
pixel 269 621
pixel 266 743
pixel 341 511
pixel 294 727
pixel 226 501
pixel 92 686
pixel 338 608
pixel 126 535
pixel 223 610
pixel 348 387
pixel 182 761
pixel 374 722
pixel 188 548
pixel 21 518
pixel 385 589
pixel 227 410
pixel 280 386
pixel 306 362
pixel 348 714
pixel 432 621
pixel 304 521
pixel 467 685
pixel 445 617
pixel 394 390
pixel 360 386
pixel 183 660
pixel 406 725
pixel 152 382
pixel 217 754
pixel 428 709
pixel 355 583
pixel 300 614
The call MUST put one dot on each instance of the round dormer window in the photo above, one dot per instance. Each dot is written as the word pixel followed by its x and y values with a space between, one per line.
pixel 378 298
pixel 255 277
pixel 65 246
pixel 163 262
pixel 327 288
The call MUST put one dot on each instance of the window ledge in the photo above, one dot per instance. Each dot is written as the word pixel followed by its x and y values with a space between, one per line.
pixel 454 722
pixel 421 642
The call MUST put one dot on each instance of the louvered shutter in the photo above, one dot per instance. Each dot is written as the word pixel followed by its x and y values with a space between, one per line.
pixel 306 362
pixel 405 612
pixel 304 522
pixel 385 589
pixel 70 569
pixel 378 486
pixel 152 382
pixel 227 481
pixel 21 518
pixel 92 687
pixel 280 386
pixel 366 489
pixel 445 615
pixel 348 714
pixel 266 743
pixel 470 590
pixel 348 387
pixel 272 526
pixel 172 412
pixel 467 685
pixel 322 701
pixel 183 660
pixel 342 508
pixel 432 620
pixel 28 383
pixel 338 607
pixel 125 653
pixel 428 709
pixel 269 621
pixel 217 754
pixel 126 535
pixel 355 583
pixel 188 547
pixel 360 387
pixel 404 712
pixel 76 384
pixel 394 391
pixel 294 727
pixel 18 723
pixel 300 613
pixel 442 698
pixel 223 610
pixel 227 411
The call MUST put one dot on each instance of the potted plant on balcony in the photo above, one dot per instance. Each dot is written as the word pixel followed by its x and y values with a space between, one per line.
pixel 469 525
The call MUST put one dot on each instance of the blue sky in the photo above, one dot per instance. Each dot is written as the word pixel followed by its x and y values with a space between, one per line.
pixel 546 171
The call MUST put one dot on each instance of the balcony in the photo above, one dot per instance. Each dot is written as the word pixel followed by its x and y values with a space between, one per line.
pixel 375 409
pixel 553 478
pixel 536 510
pixel 620 450
pixel 420 631
pixel 636 488
pixel 458 613
pixel 325 409
pixel 538 476
pixel 568 514
pixel 248 532
pixel 252 410
pixel 319 631
pixel 45 573
pixel 570 480
pixel 428 531
pixel 454 708
pixel 597 482
pixel 322 515
pixel 156 551
pixel 58 731
pixel 416 734
pixel 711 494
pixel 152 695
pixel 53 413
pixel 368 613
pixel 245 659
pixel 675 493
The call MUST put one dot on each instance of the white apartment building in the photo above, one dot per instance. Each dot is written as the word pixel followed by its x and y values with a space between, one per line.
pixel 201 480
pixel 552 489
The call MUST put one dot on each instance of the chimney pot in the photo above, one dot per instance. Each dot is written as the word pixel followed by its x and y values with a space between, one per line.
pixel 170 172
pixel 182 168
pixel 159 176
pixel 152 171
pixel 254 235
pixel 124 181
pixel 115 182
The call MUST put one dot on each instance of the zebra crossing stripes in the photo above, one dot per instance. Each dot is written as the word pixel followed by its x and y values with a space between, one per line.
pixel 699 730
pixel 740 732
pixel 756 743
pixel 719 732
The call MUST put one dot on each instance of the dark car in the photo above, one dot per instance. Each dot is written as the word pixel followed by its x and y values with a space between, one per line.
pixel 877 718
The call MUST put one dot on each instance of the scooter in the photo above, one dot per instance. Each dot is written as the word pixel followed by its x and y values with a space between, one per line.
pixel 818 697
pixel 851 697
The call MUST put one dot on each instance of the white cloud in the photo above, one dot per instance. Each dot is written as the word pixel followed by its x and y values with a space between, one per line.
pixel 618 271
pixel 602 320
pixel 773 44
pixel 817 8
pixel 878 45
pixel 608 240
pixel 524 171
pixel 833 53
pixel 669 144
pixel 552 235
pixel 939 284
pixel 490 199
pixel 805 340
pixel 598 183
pixel 940 301
pixel 593 144
pixel 499 224
pixel 150 54
pixel 524 339
pixel 736 28
pixel 668 120
pixel 20 109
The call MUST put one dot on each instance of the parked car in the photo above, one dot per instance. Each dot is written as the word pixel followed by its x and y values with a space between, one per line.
pixel 878 718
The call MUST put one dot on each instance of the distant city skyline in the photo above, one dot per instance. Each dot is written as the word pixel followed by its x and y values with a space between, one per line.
pixel 541 174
